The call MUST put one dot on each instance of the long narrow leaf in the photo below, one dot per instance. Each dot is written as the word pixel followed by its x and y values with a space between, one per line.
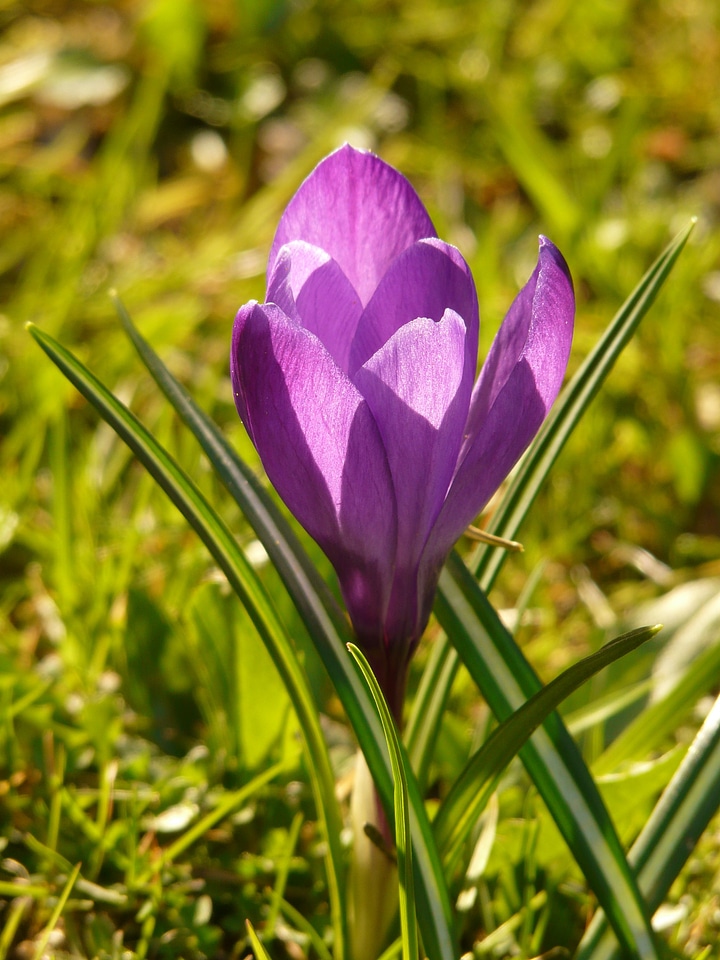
pixel 406 893
pixel 571 406
pixel 330 634
pixel 551 756
pixel 506 523
pixel 520 495
pixel 681 815
pixel 242 578
pixel 315 602
pixel 472 789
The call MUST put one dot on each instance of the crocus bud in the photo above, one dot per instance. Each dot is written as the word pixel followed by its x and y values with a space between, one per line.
pixel 356 382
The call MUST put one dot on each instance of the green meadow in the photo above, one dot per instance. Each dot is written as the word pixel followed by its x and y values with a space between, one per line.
pixel 155 792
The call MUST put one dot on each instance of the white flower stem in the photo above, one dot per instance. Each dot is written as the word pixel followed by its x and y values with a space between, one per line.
pixel 373 879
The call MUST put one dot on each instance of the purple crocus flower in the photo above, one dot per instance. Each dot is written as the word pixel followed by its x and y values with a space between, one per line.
pixel 356 382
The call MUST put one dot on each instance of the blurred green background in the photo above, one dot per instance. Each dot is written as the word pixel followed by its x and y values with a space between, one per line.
pixel 151 147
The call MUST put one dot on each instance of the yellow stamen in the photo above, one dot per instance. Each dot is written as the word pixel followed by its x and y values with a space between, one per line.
pixel 475 533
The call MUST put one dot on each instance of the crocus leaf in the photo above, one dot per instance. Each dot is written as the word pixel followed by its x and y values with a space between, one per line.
pixel 430 703
pixel 551 756
pixel 472 789
pixel 681 815
pixel 330 634
pixel 570 407
pixel 242 578
pixel 408 923
pixel 530 476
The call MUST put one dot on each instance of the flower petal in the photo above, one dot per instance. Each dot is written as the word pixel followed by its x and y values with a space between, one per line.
pixel 360 211
pixel 308 284
pixel 427 279
pixel 418 387
pixel 321 450
pixel 525 370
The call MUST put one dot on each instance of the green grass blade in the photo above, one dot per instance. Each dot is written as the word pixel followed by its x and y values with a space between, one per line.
pixel 257 948
pixel 406 898
pixel 304 925
pixel 242 578
pixel 330 634
pixel 521 493
pixel 681 815
pixel 282 874
pixel 44 937
pixel 551 756
pixel 472 789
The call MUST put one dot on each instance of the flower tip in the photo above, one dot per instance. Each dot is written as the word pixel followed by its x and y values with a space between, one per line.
pixel 547 247
pixel 347 148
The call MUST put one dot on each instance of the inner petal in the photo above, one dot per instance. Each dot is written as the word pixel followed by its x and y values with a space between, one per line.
pixel 309 285
pixel 425 280
pixel 418 388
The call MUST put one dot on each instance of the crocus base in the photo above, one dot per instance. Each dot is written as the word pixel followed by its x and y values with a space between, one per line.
pixel 373 880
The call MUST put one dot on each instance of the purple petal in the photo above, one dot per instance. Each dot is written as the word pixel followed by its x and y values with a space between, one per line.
pixel 427 279
pixel 358 209
pixel 418 387
pixel 321 450
pixel 307 284
pixel 525 370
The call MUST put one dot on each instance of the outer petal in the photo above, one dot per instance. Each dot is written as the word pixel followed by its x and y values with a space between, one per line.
pixel 359 210
pixel 418 387
pixel 424 281
pixel 308 284
pixel 321 450
pixel 525 370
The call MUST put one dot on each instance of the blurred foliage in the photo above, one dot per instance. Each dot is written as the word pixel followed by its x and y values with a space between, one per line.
pixel 150 146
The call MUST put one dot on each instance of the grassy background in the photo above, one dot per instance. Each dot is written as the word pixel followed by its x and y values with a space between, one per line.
pixel 151 147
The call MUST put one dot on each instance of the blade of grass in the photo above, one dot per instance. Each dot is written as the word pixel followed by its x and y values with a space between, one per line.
pixel 282 874
pixel 44 937
pixel 302 924
pixel 551 756
pixel 330 633
pixel 408 923
pixel 244 581
pixel 257 948
pixel 472 789
pixel 13 890
pixel 13 915
pixel 681 815
pixel 422 728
